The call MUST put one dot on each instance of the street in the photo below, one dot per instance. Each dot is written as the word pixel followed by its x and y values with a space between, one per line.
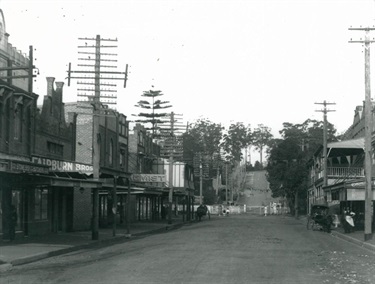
pixel 234 249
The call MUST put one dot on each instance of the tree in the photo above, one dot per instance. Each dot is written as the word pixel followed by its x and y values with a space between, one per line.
pixel 201 144
pixel 203 136
pixel 154 117
pixel 261 138
pixel 237 137
pixel 287 168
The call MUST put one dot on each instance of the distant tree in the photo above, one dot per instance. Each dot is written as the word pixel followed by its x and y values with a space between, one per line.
pixel 153 116
pixel 237 138
pixel 202 136
pixel 261 138
pixel 201 143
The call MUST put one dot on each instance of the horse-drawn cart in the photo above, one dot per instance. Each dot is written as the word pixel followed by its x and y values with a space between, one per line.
pixel 319 218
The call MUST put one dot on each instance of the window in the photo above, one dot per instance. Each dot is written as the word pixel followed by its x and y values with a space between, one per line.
pixel 123 158
pixel 54 148
pixel 122 126
pixel 41 201
pixel 110 156
pixel 140 138
pixel 18 112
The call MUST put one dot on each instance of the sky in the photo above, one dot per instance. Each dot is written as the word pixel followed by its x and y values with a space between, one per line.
pixel 256 62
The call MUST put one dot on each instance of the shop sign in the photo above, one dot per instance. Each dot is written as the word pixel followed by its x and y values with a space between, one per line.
pixel 27 168
pixel 360 184
pixel 147 178
pixel 63 166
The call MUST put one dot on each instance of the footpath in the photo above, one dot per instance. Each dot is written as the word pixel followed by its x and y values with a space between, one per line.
pixel 356 237
pixel 29 249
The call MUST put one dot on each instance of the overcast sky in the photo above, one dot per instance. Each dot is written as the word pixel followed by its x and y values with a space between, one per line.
pixel 256 62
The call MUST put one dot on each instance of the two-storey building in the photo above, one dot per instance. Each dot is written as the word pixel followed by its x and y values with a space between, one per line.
pixel 342 183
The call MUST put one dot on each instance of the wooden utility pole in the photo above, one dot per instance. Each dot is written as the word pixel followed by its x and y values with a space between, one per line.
pixel 325 127
pixel 170 197
pixel 226 182
pixel 200 181
pixel 368 134
pixel 93 97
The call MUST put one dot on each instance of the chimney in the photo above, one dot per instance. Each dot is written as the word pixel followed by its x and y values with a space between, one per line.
pixel 50 81
pixel 59 91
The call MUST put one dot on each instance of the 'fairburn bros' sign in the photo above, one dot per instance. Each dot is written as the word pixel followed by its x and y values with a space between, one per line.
pixel 62 166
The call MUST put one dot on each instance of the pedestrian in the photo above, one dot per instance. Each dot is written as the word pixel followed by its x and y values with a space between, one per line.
pixel 265 210
pixel 163 212
pixel 13 223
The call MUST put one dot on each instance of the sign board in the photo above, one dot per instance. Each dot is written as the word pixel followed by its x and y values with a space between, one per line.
pixel 27 168
pixel 147 178
pixel 63 166
pixel 357 194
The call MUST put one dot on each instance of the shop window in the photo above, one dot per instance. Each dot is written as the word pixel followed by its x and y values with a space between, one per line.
pixel 41 202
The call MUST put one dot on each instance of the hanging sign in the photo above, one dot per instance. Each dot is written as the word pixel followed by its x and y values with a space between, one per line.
pixel 147 178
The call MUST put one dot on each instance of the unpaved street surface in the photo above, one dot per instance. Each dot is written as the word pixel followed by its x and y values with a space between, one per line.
pixel 234 249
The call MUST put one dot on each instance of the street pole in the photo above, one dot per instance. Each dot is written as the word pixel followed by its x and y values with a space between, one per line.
pixel 170 197
pixel 226 183
pixel 325 158
pixel 368 136
pixel 95 142
pixel 368 148
pixel 114 205
pixel 128 211
pixel 200 182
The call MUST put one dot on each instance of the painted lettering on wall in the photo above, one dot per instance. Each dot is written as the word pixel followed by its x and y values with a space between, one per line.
pixel 62 166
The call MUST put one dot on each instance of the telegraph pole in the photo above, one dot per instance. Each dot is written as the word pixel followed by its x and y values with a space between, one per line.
pixel 325 158
pixel 170 196
pixel 200 181
pixel 94 97
pixel 226 183
pixel 368 133
pixel 172 149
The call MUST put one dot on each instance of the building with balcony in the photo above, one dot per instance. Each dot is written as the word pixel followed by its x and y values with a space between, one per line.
pixel 343 183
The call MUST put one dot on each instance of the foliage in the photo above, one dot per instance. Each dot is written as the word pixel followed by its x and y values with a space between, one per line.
pixel 261 138
pixel 237 137
pixel 153 117
pixel 203 136
pixel 287 169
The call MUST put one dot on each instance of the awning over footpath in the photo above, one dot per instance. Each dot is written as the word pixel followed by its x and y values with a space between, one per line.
pixel 351 190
